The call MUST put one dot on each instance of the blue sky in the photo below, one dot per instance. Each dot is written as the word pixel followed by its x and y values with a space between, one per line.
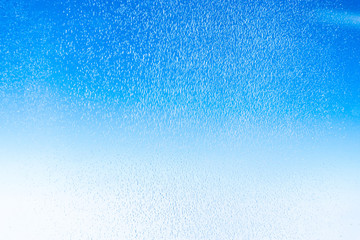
pixel 263 95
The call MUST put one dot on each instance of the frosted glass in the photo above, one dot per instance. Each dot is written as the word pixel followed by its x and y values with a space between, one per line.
pixel 180 119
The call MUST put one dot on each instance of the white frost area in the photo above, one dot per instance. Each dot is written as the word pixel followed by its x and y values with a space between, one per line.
pixel 159 201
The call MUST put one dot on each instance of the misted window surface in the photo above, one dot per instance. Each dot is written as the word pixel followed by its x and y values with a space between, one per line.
pixel 180 119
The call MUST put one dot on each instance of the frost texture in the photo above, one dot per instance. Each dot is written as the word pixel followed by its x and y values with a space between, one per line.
pixel 179 120
pixel 173 66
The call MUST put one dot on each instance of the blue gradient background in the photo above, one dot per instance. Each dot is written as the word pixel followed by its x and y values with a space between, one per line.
pixel 179 119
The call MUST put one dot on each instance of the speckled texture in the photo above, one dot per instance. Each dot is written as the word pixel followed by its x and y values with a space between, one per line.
pixel 179 119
